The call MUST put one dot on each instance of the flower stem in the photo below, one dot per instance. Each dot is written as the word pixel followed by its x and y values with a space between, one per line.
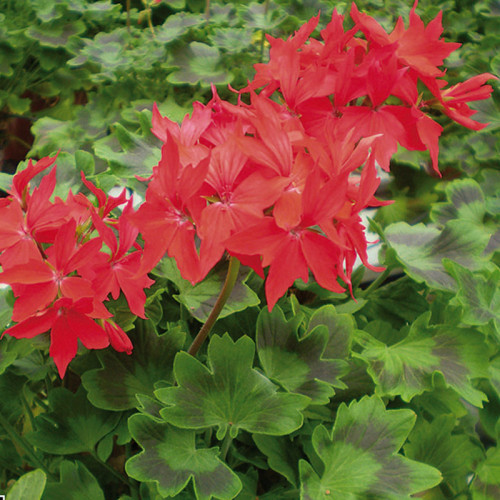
pixel 226 443
pixel 375 284
pixel 232 274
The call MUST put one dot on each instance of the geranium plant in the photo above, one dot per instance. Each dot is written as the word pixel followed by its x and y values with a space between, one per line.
pixel 252 228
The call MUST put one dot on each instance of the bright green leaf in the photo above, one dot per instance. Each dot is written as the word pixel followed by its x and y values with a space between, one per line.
pixel 486 485
pixel 28 486
pixel 171 459
pixel 229 394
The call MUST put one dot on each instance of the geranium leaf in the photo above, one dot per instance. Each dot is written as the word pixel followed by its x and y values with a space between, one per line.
pixel 29 485
pixel 176 25
pixel 201 298
pixel 360 456
pixel 479 297
pixel 171 460
pixel 122 376
pixel 199 63
pixel 76 483
pixel 229 394
pixel 73 425
pixel 466 201
pixel 129 154
pixel 57 35
pixel 264 17
pixel 452 453
pixel 486 485
pixel 282 455
pixel 405 368
pixel 340 331
pixel 298 364
pixel 421 249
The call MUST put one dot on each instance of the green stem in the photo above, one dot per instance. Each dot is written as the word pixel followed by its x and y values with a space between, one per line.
pixel 110 469
pixel 207 9
pixel 226 443
pixel 134 485
pixel 15 436
pixel 373 286
pixel 232 274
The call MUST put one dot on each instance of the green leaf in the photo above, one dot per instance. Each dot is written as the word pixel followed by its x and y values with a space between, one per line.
pixel 465 201
pixel 56 35
pixel 282 455
pixel 399 302
pixel 199 63
pixel 129 154
pixel 230 394
pixel 263 16
pixel 405 368
pixel 76 483
pixel 175 26
pixel 29 485
pixel 421 249
pixel 73 425
pixel 200 298
pixel 232 40
pixel 360 459
pixel 486 485
pixel 340 330
pixel 436 444
pixel 298 364
pixel 122 376
pixel 171 459
pixel 479 297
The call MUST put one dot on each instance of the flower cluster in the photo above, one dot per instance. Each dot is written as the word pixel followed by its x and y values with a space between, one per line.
pixel 52 255
pixel 277 182
pixel 280 182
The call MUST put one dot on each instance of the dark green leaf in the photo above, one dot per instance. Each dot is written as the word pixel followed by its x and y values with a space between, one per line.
pixel 76 483
pixel 453 454
pixel 230 394
pixel 73 425
pixel 171 459
pixel 122 376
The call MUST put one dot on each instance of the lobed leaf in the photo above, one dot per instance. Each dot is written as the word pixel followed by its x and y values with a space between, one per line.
pixel 360 459
pixel 229 394
pixel 171 459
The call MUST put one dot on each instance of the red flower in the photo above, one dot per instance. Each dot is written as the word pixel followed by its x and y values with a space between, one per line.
pixel 68 322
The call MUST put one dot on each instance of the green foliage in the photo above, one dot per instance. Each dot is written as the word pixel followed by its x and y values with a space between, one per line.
pixel 392 396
